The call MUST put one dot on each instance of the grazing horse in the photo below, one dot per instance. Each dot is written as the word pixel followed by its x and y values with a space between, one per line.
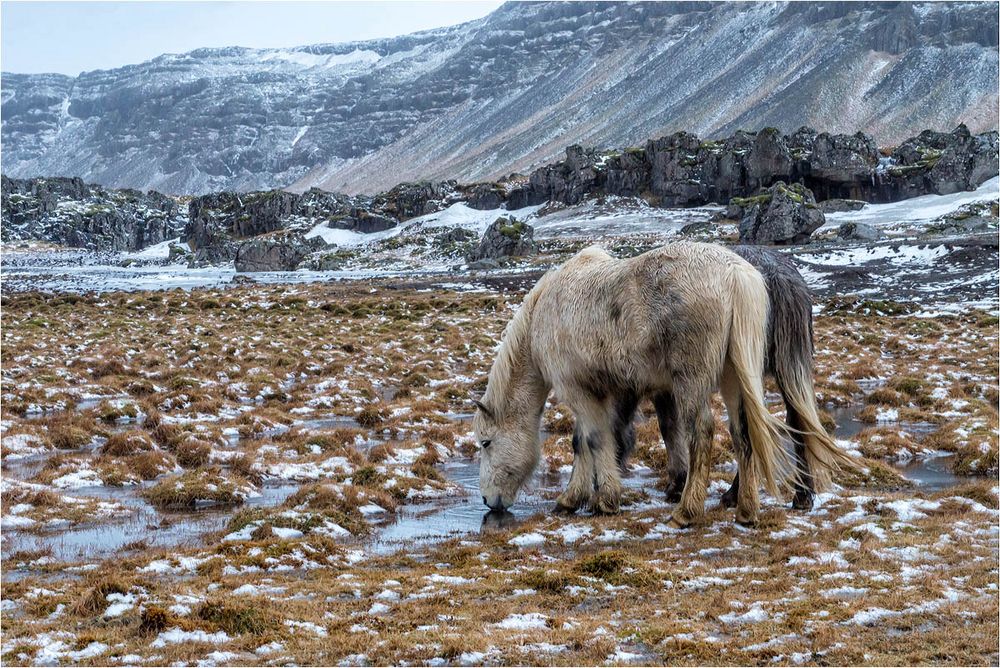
pixel 672 324
pixel 789 362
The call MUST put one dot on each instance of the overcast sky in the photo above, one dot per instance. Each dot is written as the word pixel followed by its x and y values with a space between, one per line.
pixel 73 37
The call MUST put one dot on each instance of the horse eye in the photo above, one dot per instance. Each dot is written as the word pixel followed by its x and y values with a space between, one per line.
pixel 485 442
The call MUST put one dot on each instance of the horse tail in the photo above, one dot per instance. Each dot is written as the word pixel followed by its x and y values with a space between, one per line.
pixel 747 347
pixel 792 364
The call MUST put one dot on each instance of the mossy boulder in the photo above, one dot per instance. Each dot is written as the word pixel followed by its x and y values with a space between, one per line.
pixel 780 214
pixel 506 237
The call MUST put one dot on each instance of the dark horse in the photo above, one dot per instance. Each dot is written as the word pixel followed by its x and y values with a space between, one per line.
pixel 790 362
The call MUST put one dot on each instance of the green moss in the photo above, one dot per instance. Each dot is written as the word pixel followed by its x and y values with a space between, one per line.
pixel 745 202
pixel 513 231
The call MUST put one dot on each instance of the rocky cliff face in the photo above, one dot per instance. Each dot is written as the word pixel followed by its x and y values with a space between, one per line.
pixel 70 212
pixel 220 223
pixel 506 93
pixel 678 170
pixel 682 169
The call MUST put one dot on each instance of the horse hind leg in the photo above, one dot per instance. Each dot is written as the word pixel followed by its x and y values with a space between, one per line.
pixel 745 484
pixel 695 427
pixel 729 497
pixel 804 488
pixel 580 490
pixel 677 454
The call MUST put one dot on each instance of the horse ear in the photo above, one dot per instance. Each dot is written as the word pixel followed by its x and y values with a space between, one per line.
pixel 481 406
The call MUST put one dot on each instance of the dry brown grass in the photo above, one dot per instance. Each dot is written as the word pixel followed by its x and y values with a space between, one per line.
pixel 624 586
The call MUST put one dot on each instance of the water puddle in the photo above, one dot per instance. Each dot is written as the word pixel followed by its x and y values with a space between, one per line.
pixel 466 514
pixel 147 527
pixel 932 474
pixel 415 524
pixel 849 426
pixel 929 473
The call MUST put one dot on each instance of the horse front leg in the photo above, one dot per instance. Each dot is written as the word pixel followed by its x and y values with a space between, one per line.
pixel 581 481
pixel 695 428
pixel 598 425
pixel 607 473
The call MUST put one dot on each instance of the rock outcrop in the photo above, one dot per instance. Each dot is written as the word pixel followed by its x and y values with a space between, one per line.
pixel 780 214
pixel 504 238
pixel 859 232
pixel 69 212
pixel 281 251
pixel 682 170
pixel 219 221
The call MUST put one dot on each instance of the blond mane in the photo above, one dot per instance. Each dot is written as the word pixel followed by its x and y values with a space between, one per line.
pixel 513 359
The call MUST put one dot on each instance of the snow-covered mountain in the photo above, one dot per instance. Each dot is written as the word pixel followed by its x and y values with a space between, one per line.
pixel 505 93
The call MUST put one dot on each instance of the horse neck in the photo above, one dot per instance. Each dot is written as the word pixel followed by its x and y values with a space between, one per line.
pixel 516 388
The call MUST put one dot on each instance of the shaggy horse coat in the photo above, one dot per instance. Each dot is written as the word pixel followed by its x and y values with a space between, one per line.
pixel 672 324
pixel 789 362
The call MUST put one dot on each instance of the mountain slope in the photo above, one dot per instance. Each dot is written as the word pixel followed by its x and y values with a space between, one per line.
pixel 505 93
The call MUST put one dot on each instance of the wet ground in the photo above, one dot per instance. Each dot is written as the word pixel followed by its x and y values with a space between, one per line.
pixel 342 410
pixel 431 521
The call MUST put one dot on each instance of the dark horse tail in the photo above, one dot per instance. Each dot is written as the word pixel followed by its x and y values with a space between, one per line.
pixel 790 361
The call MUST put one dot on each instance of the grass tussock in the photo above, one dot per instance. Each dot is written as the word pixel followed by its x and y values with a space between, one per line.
pixel 201 486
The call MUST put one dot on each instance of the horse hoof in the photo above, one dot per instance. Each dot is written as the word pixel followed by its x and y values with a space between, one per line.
pixel 746 520
pixel 560 509
pixel 673 523
pixel 567 503
pixel 802 502
pixel 675 488
pixel 606 506
pixel 607 500
pixel 729 499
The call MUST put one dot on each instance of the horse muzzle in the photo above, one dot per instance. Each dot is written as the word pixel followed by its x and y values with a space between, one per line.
pixel 496 503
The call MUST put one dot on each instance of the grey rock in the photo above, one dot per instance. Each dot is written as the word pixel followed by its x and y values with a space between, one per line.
pixel 179 253
pixel 692 229
pixel 974 224
pixel 217 222
pixel 485 196
pixel 456 242
pixel 368 223
pixel 841 205
pixel 505 237
pixel 859 232
pixel 780 214
pixel 69 212
pixel 683 170
pixel 326 260
pixel 843 159
pixel 274 252
pixel 485 264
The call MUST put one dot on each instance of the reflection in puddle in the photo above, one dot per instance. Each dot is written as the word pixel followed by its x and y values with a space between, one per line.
pixel 849 426
pixel 932 474
pixel 434 521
